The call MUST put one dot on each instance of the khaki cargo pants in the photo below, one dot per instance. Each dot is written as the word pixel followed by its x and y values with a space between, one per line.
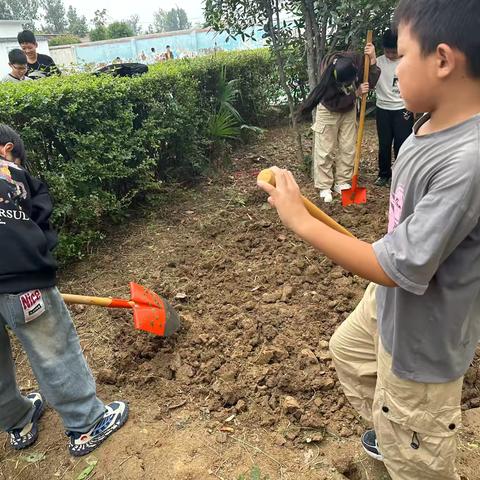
pixel 416 423
pixel 334 132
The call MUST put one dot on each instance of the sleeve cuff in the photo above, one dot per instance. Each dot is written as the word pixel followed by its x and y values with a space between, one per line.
pixel 385 260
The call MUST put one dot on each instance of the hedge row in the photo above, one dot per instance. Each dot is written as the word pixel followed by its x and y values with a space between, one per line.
pixel 100 142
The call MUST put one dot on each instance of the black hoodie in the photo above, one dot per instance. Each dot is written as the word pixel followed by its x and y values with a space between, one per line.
pixel 26 236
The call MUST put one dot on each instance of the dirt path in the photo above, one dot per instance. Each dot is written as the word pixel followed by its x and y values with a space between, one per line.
pixel 248 382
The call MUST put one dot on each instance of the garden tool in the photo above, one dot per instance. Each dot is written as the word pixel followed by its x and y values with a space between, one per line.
pixel 358 194
pixel 151 313
pixel 268 176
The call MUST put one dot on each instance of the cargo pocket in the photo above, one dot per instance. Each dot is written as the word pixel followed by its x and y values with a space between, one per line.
pixel 322 127
pixel 417 442
pixel 443 422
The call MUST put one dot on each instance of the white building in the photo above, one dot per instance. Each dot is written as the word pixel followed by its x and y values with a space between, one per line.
pixel 9 30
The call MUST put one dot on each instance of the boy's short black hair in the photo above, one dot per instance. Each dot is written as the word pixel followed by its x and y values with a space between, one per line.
pixel 390 40
pixel 27 36
pixel 168 46
pixel 454 22
pixel 17 57
pixel 9 135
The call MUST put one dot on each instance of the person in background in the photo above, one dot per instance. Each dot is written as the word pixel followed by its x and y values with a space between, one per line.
pixel 39 65
pixel 17 61
pixel 335 99
pixel 168 53
pixel 152 58
pixel 394 122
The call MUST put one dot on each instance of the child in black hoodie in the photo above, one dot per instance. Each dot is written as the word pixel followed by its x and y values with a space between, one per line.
pixel 33 309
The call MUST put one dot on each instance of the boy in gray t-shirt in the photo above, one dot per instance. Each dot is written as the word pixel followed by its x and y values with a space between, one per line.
pixel 402 354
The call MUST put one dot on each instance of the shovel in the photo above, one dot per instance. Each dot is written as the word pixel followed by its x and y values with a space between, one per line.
pixel 268 176
pixel 358 194
pixel 151 313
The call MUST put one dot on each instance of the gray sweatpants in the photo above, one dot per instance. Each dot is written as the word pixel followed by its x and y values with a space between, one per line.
pixel 53 349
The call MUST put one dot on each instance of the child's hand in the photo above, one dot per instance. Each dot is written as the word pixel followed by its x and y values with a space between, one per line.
pixel 286 198
pixel 363 89
pixel 370 51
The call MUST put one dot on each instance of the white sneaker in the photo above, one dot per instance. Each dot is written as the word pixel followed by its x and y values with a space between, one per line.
pixel 342 186
pixel 326 195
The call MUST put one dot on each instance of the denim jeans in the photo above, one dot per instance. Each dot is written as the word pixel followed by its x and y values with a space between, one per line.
pixel 53 349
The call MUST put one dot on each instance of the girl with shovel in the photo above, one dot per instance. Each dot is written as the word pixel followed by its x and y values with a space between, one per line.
pixel 335 121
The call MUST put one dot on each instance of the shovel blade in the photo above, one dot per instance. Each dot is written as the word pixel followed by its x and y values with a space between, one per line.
pixel 149 319
pixel 144 296
pixel 352 196
pixel 162 321
pixel 151 313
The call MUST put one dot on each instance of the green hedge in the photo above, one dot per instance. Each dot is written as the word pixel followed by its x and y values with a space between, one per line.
pixel 101 142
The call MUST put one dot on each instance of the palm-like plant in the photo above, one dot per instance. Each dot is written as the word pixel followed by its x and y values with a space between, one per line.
pixel 223 126
pixel 226 123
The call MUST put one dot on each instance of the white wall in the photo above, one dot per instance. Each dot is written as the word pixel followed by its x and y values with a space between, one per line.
pixel 64 56
pixel 10 43
pixel 10 28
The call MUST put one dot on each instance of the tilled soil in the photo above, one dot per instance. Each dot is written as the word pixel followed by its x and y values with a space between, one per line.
pixel 249 379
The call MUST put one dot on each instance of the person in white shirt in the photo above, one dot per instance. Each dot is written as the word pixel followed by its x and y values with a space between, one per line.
pixel 394 122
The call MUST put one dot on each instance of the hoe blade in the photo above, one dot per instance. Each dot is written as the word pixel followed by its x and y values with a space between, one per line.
pixel 151 313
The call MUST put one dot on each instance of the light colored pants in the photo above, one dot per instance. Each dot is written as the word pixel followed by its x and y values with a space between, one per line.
pixel 416 423
pixel 333 130
pixel 53 349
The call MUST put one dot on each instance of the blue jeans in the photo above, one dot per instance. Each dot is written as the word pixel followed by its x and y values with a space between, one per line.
pixel 53 349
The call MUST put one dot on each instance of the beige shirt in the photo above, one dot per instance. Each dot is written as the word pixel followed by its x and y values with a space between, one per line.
pixel 11 78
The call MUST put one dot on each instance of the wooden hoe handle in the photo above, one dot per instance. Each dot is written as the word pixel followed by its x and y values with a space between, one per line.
pixel 99 301
pixel 268 176
pixel 363 110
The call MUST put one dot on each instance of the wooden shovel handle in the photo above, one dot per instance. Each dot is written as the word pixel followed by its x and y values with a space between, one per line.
pixel 98 301
pixel 363 110
pixel 268 176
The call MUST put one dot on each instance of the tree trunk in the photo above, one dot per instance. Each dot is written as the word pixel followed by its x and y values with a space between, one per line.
pixel 291 105
pixel 277 50
pixel 308 11
pixel 323 37
pixel 312 67
pixel 317 35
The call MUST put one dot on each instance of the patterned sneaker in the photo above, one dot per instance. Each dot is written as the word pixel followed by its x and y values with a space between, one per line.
pixel 338 188
pixel 115 416
pixel 21 438
pixel 370 445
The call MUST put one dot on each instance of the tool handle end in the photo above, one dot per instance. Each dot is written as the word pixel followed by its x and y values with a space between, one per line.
pixel 267 176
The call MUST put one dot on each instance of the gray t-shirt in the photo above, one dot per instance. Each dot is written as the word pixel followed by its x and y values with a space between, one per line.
pixel 430 324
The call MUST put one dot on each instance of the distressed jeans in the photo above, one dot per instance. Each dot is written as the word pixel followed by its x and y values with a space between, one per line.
pixel 53 349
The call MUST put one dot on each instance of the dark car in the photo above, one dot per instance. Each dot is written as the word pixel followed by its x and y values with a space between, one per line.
pixel 123 69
